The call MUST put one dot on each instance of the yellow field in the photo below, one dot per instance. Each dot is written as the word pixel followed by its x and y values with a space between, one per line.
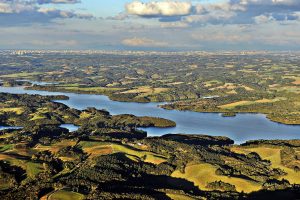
pixel 243 103
pixel 229 86
pixel 40 114
pixel 18 110
pixel 294 89
pixel 232 92
pixel 296 78
pixel 66 158
pixel 175 83
pixel 202 174
pixel 116 84
pixel 297 82
pixel 150 157
pixel 274 85
pixel 140 71
pixel 179 197
pixel 85 115
pixel 20 75
pixel 155 76
pixel 89 89
pixel 65 195
pixel 211 83
pixel 37 117
pixel 54 148
pixel 264 101
pixel 235 104
pixel 145 90
pixel 232 86
pixel 4 156
pixel 100 148
pixel 248 88
pixel 272 154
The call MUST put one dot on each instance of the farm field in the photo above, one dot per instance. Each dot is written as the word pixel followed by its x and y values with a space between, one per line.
pixel 272 153
pixel 202 174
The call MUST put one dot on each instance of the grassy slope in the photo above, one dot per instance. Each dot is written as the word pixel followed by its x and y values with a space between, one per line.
pixel 202 174
pixel 272 154
pixel 179 197
pixel 65 195
pixel 94 148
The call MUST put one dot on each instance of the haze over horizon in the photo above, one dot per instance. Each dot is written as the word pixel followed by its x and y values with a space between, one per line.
pixel 150 25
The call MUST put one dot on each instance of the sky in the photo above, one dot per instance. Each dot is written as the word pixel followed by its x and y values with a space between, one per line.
pixel 162 25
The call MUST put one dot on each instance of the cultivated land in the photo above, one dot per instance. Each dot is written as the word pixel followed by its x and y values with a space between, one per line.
pixel 255 82
pixel 109 158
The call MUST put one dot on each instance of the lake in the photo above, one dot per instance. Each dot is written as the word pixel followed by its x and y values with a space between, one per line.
pixel 241 128
pixel 70 127
pixel 10 127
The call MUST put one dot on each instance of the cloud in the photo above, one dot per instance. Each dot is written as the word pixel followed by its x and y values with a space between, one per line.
pixel 55 13
pixel 56 43
pixel 5 8
pixel 177 24
pixel 143 42
pixel 261 19
pixel 15 6
pixel 221 12
pixel 222 37
pixel 58 1
pixel 159 9
pixel 254 37
pixel 120 16
pixel 17 12
pixel 268 2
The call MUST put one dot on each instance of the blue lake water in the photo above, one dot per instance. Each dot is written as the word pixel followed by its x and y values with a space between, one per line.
pixel 241 128
pixel 70 127
pixel 9 127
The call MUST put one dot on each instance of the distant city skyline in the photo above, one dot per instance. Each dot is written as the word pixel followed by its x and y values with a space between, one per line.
pixel 198 25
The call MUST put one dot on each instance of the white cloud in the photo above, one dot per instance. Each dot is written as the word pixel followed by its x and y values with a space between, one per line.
pixel 177 24
pixel 157 9
pixel 5 8
pixel 17 12
pixel 8 7
pixel 58 1
pixel 120 16
pixel 143 42
pixel 263 19
pixel 221 37
pixel 269 2
pixel 51 43
pixel 222 12
pixel 53 12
